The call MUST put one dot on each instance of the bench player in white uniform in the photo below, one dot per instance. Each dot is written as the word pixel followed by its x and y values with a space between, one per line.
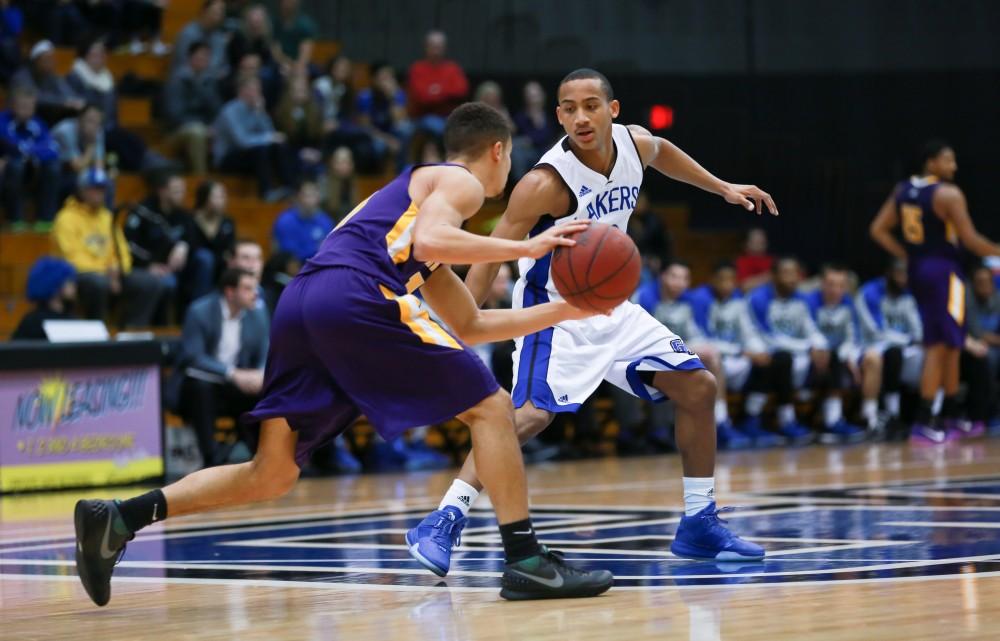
pixel 595 173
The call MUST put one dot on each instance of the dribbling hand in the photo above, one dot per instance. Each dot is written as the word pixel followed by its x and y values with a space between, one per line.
pixel 554 237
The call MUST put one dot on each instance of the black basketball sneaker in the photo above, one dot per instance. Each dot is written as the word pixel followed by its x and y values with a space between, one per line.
pixel 101 536
pixel 548 576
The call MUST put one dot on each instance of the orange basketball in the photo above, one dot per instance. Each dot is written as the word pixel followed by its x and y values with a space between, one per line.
pixel 600 272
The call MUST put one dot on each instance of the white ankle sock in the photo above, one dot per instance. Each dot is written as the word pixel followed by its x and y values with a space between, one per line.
pixel 755 403
pixel 892 403
pixel 869 410
pixel 786 414
pixel 721 411
pixel 698 493
pixel 460 495
pixel 833 410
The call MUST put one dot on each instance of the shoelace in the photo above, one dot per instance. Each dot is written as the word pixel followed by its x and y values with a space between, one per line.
pixel 558 558
pixel 716 522
pixel 443 529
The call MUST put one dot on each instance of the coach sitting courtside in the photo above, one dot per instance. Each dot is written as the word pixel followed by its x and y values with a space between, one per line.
pixel 220 370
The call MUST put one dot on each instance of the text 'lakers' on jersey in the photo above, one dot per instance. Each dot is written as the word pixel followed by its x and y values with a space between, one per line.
pixel 593 196
pixel 376 238
pixel 924 233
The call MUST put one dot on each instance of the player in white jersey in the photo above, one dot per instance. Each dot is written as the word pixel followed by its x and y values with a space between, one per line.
pixel 595 173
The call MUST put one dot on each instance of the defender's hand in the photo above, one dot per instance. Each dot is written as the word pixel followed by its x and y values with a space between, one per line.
pixel 554 237
pixel 576 313
pixel 750 197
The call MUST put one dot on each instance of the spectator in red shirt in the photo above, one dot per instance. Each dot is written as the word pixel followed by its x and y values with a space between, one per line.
pixel 753 266
pixel 436 85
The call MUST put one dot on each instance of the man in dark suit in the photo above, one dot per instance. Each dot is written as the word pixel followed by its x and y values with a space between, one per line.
pixel 221 366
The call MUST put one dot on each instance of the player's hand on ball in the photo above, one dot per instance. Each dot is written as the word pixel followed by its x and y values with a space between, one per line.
pixel 550 239
pixel 750 197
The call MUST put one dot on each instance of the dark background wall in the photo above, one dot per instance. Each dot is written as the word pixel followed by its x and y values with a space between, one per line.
pixel 821 102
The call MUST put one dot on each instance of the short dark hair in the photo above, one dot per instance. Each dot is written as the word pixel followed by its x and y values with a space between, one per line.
pixel 203 193
pixel 473 127
pixel 678 262
pixel 195 46
pixel 784 259
pixel 834 267
pixel 88 42
pixel 585 73
pixel 160 179
pixel 932 149
pixel 723 264
pixel 230 278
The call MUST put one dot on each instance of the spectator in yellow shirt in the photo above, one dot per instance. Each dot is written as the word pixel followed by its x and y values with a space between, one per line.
pixel 85 234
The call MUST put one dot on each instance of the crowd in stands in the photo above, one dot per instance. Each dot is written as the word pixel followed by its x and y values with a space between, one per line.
pixel 245 95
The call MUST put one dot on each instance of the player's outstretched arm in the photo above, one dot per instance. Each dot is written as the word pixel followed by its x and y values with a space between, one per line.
pixel 950 201
pixel 671 161
pixel 448 296
pixel 438 236
pixel 881 228
pixel 538 193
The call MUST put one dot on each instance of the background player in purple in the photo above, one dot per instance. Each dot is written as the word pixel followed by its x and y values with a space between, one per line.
pixel 350 337
pixel 934 218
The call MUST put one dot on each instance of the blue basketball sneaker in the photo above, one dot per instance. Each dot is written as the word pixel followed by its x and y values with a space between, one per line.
pixel 754 429
pixel 704 536
pixel 842 432
pixel 797 433
pixel 431 541
pixel 730 437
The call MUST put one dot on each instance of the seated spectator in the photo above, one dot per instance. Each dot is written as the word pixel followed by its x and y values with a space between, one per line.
pixel 220 371
pixel 294 32
pixel 279 270
pixel 336 96
pixel 676 311
pixel 722 314
pixel 91 79
pixel 82 147
pixel 980 364
pixel 86 236
pixel 211 239
pixel 11 26
pixel 247 142
pixel 490 92
pixel 797 347
pixel 155 231
pixel 299 117
pixel 142 21
pixel 650 235
pixel 339 185
pixel 834 313
pixel 56 99
pixel 52 288
pixel 754 266
pixel 191 101
pixel 247 255
pixel 436 86
pixel 381 113
pixel 32 160
pixel 890 324
pixel 300 229
pixel 253 36
pixel 534 130
pixel 208 27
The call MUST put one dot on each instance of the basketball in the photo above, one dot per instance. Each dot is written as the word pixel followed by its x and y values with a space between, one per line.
pixel 600 272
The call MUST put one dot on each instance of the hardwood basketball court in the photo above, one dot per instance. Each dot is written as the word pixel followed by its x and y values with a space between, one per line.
pixel 866 542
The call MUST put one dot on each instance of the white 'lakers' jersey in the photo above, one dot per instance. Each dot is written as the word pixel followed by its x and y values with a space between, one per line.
pixel 593 196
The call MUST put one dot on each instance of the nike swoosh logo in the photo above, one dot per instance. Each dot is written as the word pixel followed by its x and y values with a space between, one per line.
pixel 556 582
pixel 106 550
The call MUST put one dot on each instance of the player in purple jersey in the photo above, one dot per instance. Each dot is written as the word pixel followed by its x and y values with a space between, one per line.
pixel 934 219
pixel 350 337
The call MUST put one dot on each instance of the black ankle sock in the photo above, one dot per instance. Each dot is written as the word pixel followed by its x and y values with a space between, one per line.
pixel 519 541
pixel 140 511
pixel 950 408
pixel 925 413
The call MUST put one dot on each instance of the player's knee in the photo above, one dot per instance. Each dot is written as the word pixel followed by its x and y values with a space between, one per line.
pixel 871 360
pixel 495 409
pixel 700 391
pixel 273 479
pixel 531 420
